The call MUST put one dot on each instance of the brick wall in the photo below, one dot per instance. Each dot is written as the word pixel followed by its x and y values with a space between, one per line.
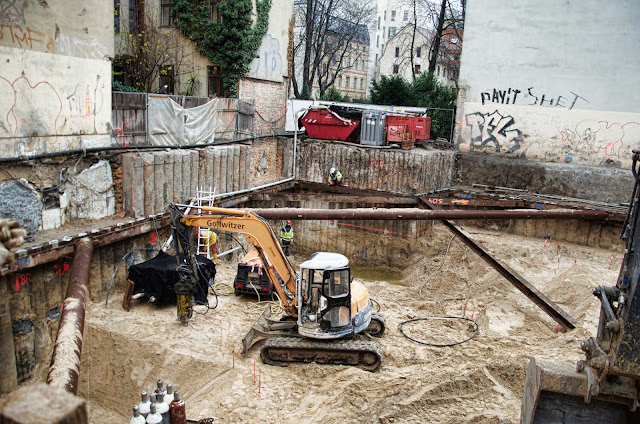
pixel 270 101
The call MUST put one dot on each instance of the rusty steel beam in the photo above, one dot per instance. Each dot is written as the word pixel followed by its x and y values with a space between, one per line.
pixel 417 214
pixel 65 362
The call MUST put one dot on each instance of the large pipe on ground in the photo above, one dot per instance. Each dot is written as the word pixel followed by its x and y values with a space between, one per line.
pixel 403 214
pixel 65 362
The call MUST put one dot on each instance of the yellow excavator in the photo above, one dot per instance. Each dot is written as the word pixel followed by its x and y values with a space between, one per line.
pixel 605 386
pixel 325 309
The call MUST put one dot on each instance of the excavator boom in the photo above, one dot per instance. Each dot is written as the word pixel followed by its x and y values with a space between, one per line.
pixel 259 234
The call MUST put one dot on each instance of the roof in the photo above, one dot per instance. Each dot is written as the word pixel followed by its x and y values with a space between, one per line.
pixel 344 27
pixel 326 261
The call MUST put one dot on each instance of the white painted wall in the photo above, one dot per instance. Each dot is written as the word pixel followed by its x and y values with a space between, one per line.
pixel 55 77
pixel 272 63
pixel 551 80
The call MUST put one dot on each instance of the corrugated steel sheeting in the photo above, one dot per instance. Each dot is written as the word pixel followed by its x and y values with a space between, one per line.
pixel 392 170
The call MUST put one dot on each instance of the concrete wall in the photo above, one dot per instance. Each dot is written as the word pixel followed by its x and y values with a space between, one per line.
pixel 272 61
pixel 551 81
pixel 56 75
pixel 395 171
pixel 597 183
pixel 152 180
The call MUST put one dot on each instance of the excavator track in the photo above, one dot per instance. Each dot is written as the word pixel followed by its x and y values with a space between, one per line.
pixel 281 351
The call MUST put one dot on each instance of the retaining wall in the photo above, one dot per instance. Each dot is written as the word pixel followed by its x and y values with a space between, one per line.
pixel 392 170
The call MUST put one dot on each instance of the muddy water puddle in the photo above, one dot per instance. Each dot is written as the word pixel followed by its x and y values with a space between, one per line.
pixel 370 273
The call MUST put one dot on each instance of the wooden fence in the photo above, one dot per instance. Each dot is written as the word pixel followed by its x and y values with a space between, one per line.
pixel 129 117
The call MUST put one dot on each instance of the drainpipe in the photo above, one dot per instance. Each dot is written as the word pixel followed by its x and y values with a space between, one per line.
pixel 65 362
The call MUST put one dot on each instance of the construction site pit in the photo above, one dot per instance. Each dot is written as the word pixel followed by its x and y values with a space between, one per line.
pixel 448 370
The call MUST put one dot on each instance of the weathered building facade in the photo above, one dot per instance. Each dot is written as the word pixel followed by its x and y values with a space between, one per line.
pixel 55 76
pixel 551 81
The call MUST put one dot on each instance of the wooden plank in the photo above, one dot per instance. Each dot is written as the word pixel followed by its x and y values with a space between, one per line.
pixel 43 343
pixel 9 374
pixel 22 325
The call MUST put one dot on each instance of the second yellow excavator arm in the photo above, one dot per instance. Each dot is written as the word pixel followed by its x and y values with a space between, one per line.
pixel 259 234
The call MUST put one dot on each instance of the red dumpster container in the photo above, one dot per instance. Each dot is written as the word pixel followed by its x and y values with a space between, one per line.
pixel 326 124
pixel 420 126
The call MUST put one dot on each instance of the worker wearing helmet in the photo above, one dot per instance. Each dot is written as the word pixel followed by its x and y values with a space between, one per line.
pixel 286 237
pixel 335 177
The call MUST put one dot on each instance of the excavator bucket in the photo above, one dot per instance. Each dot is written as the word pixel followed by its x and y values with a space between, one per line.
pixel 555 392
pixel 265 327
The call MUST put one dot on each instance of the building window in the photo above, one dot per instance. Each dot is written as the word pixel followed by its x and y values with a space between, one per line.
pixel 348 61
pixel 393 15
pixel 405 17
pixel 378 22
pixel 362 84
pixel 419 52
pixel 395 69
pixel 165 13
pixel 417 69
pixel 136 16
pixel 437 70
pixel 355 83
pixel 392 31
pixel 167 80
pixel 397 51
pixel 385 16
pixel 377 41
pixel 215 15
pixel 214 81
pixel 116 16
pixel 340 81
pixel 376 57
pixel 348 80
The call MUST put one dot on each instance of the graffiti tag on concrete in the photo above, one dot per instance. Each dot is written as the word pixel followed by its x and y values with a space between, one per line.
pixel 530 97
pixel 494 128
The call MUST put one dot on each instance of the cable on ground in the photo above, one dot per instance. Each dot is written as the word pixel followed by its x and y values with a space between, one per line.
pixel 438 318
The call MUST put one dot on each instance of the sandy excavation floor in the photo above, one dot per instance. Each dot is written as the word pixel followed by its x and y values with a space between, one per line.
pixel 480 381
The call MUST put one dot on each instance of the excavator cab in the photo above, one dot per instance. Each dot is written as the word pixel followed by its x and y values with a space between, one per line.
pixel 327 307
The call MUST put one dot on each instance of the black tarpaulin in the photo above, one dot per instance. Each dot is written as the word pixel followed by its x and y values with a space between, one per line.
pixel 156 277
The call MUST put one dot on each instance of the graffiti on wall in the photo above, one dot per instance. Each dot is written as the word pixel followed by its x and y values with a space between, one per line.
pixel 90 48
pixel 28 109
pixel 494 129
pixel 610 140
pixel 24 37
pixel 268 64
pixel 531 97
pixel 12 12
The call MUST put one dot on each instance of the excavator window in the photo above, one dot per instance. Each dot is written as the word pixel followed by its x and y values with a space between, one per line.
pixel 336 283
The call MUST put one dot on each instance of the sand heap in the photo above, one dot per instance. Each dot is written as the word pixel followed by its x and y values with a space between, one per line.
pixel 480 381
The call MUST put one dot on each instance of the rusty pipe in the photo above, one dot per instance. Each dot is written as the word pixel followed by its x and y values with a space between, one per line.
pixel 65 361
pixel 417 214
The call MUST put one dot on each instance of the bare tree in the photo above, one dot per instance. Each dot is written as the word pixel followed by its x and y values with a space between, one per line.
pixel 326 41
pixel 148 52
